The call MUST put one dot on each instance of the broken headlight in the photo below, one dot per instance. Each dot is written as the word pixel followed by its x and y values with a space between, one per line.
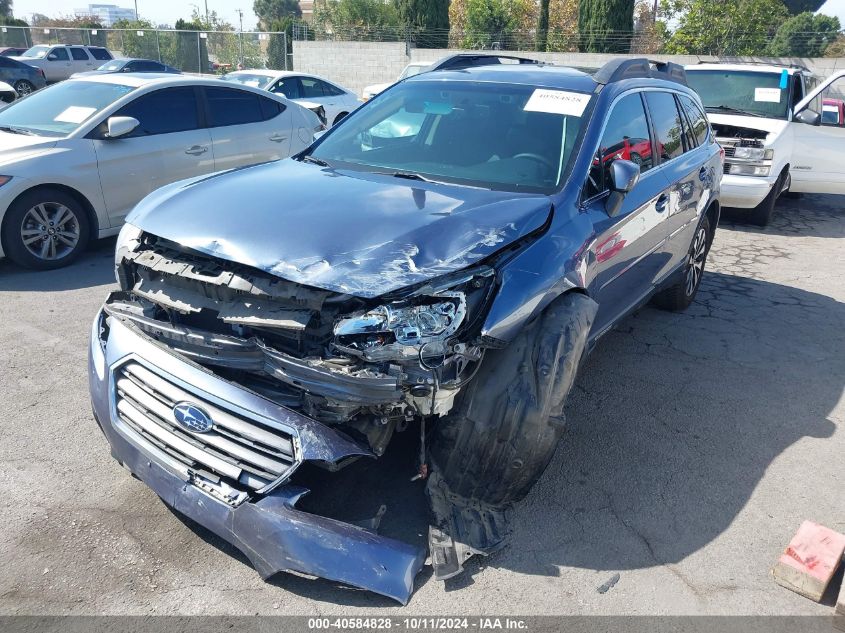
pixel 403 329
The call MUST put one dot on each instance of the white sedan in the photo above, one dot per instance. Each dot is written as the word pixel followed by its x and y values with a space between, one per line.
pixel 76 157
pixel 336 100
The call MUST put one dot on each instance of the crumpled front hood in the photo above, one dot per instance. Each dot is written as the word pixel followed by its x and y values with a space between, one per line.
pixel 352 232
pixel 773 127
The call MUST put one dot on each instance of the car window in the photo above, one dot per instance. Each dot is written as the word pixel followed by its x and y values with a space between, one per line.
pixel 287 87
pixel 832 103
pixel 330 90
pixel 99 53
pixel 312 88
pixel 227 106
pixel 625 136
pixel 79 54
pixel 163 112
pixel 696 118
pixel 689 141
pixel 667 124
pixel 144 67
pixel 270 108
pixel 59 54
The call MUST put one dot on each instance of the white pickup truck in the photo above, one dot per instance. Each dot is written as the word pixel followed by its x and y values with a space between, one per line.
pixel 769 119
pixel 60 62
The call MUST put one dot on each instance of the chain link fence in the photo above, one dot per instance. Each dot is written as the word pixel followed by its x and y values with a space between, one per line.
pixel 204 52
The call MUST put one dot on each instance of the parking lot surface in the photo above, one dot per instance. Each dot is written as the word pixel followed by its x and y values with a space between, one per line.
pixel 696 445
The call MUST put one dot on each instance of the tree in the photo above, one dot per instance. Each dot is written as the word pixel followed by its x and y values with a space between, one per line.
pixel 358 19
pixel 499 24
pixel 543 25
pixel 457 22
pixel 804 35
pixel 426 20
pixel 563 26
pixel 605 26
pixel 739 27
pixel 270 11
pixel 800 6
pixel 6 8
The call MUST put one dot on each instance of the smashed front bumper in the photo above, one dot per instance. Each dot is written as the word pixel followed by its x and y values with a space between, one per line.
pixel 260 519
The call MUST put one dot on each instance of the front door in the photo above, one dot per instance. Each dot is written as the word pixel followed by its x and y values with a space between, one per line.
pixel 817 165
pixel 167 146
pixel 627 249
pixel 57 65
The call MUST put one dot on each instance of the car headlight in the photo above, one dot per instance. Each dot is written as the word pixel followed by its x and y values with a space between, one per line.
pixel 4 180
pixel 127 240
pixel 753 153
pixel 403 330
pixel 740 169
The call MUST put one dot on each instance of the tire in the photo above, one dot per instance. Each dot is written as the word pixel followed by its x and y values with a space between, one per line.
pixel 681 294
pixel 339 118
pixel 23 87
pixel 762 213
pixel 506 425
pixel 31 240
pixel 636 159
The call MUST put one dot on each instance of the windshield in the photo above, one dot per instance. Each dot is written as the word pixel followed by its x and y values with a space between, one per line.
pixel 115 64
pixel 36 52
pixel 411 70
pixel 756 93
pixel 61 108
pixel 249 79
pixel 486 135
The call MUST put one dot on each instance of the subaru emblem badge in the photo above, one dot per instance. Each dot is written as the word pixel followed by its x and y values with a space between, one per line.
pixel 191 418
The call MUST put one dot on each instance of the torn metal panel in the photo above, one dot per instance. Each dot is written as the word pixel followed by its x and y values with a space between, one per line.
pixel 413 231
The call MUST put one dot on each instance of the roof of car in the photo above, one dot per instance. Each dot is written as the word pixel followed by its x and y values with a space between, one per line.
pixel 136 80
pixel 539 75
pixel 761 68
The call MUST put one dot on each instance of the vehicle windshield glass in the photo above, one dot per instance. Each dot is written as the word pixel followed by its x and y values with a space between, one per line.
pixel 36 52
pixel 249 79
pixel 484 135
pixel 758 93
pixel 60 109
pixel 412 70
pixel 115 64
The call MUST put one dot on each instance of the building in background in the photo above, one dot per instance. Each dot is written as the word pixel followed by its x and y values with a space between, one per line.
pixel 307 8
pixel 106 14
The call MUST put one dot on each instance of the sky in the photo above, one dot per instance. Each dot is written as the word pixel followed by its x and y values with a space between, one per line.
pixel 157 11
pixel 168 11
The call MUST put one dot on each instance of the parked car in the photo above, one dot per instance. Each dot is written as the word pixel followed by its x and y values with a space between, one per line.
pixel 7 93
pixel 22 77
pixel 60 62
pixel 769 149
pixel 78 156
pixel 414 68
pixel 336 100
pixel 130 65
pixel 11 50
pixel 833 112
pixel 448 281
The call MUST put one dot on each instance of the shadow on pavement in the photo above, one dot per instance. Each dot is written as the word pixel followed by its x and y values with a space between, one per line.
pixel 807 216
pixel 94 268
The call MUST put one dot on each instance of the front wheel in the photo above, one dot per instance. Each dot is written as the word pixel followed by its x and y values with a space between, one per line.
pixel 680 295
pixel 45 229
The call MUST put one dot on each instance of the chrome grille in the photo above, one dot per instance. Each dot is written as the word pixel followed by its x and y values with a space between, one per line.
pixel 237 451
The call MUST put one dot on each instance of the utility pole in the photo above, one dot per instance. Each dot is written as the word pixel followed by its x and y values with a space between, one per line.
pixel 136 10
pixel 241 35
pixel 206 15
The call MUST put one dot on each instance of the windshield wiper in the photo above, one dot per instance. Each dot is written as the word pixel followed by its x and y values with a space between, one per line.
pixel 724 108
pixel 317 161
pixel 17 130
pixel 411 176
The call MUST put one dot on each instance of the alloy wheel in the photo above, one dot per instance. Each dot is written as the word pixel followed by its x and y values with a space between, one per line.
pixel 23 88
pixel 695 262
pixel 50 231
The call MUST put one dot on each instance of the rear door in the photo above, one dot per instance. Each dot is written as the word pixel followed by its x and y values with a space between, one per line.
pixel 81 61
pixel 627 250
pixel 169 144
pixel 246 128
pixel 817 165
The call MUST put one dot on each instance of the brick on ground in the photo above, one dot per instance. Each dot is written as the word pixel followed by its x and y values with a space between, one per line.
pixel 810 560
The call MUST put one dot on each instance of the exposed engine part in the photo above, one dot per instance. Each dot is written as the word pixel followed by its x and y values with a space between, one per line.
pixel 751 135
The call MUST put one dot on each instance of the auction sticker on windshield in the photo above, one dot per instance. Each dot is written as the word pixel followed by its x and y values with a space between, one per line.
pixel 557 102
pixel 768 95
pixel 74 114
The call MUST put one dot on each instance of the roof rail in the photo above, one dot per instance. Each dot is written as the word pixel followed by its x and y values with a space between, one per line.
pixel 459 61
pixel 640 68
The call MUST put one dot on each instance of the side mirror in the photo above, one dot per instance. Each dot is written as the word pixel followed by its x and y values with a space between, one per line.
pixel 52 57
pixel 810 117
pixel 624 176
pixel 121 126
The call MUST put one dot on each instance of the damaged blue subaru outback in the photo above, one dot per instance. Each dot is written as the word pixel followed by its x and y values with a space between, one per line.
pixel 439 263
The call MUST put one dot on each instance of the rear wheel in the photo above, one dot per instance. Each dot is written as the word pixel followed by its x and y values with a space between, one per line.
pixel 680 295
pixel 23 87
pixel 45 229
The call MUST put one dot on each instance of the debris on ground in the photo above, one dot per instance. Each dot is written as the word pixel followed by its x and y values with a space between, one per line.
pixel 810 560
pixel 609 584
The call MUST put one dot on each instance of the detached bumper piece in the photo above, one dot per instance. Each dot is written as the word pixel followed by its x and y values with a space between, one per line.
pixel 233 478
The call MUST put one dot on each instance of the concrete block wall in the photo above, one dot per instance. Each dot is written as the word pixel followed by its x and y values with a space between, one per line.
pixel 359 64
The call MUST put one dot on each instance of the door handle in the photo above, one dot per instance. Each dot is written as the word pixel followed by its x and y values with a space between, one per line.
pixel 661 203
pixel 278 138
pixel 196 150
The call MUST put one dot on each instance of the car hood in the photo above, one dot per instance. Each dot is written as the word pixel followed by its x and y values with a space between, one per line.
pixel 14 147
pixel 376 88
pixel 91 73
pixel 772 126
pixel 352 232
